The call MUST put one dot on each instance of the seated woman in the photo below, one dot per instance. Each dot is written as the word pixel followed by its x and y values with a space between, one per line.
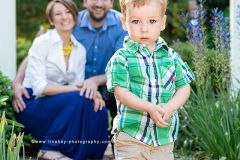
pixel 55 113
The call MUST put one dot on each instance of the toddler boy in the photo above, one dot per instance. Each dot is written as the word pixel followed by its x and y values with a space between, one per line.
pixel 150 82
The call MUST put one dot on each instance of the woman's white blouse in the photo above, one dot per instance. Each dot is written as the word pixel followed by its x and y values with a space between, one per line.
pixel 46 63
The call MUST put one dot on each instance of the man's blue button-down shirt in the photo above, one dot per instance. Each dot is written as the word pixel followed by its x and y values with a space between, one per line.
pixel 101 45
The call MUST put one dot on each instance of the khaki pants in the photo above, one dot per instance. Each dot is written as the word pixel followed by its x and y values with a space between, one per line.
pixel 127 147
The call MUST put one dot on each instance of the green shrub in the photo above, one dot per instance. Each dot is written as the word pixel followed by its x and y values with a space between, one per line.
pixel 212 122
pixel 7 92
pixel 22 50
pixel 15 142
pixel 210 118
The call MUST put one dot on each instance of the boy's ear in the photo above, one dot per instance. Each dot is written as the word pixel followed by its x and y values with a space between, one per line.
pixel 163 22
pixel 124 23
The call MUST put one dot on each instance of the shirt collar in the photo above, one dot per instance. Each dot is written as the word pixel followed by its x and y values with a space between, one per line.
pixel 110 21
pixel 84 20
pixel 56 38
pixel 73 39
pixel 133 46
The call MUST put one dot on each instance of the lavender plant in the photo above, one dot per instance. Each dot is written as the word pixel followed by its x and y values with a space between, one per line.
pixel 196 35
pixel 221 61
pixel 211 116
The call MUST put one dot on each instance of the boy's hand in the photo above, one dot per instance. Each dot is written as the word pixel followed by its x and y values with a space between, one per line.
pixel 156 113
pixel 168 111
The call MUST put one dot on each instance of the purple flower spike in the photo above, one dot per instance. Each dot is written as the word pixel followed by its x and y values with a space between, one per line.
pixel 194 22
pixel 197 38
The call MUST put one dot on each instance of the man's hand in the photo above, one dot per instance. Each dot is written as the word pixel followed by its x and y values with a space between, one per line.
pixel 156 113
pixel 90 86
pixel 98 95
pixel 18 103
pixel 168 111
pixel 98 102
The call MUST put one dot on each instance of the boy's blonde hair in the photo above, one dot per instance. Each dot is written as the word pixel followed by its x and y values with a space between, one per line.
pixel 140 3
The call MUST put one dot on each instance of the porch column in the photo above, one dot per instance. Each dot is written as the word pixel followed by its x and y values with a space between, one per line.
pixel 235 44
pixel 8 38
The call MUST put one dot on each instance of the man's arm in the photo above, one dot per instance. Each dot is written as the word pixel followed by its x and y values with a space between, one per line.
pixel 18 103
pixel 91 85
pixel 21 72
pixel 131 100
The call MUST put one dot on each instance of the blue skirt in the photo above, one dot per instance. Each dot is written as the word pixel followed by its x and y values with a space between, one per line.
pixel 66 123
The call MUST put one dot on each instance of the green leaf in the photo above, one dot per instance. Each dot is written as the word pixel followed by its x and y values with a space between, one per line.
pixel 212 140
pixel 223 158
pixel 3 103
pixel 15 123
pixel 3 98
pixel 18 146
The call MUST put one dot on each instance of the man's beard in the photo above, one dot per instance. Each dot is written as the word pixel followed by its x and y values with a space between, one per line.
pixel 96 18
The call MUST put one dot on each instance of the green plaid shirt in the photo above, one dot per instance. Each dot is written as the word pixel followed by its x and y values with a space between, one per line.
pixel 153 77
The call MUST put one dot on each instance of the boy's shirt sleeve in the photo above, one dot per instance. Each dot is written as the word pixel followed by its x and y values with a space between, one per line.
pixel 117 72
pixel 184 74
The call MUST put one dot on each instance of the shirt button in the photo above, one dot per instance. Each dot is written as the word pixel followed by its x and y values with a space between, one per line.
pixel 154 100
pixel 95 47
pixel 94 71
pixel 95 59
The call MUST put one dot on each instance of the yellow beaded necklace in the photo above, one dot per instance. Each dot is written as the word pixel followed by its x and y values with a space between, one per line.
pixel 67 50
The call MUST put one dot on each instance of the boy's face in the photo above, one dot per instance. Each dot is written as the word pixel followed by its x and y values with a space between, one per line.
pixel 145 23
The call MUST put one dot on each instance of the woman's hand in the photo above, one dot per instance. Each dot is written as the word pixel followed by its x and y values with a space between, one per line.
pixel 98 102
pixel 18 103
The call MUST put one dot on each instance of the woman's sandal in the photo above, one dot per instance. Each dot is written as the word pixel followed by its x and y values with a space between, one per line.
pixel 56 158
